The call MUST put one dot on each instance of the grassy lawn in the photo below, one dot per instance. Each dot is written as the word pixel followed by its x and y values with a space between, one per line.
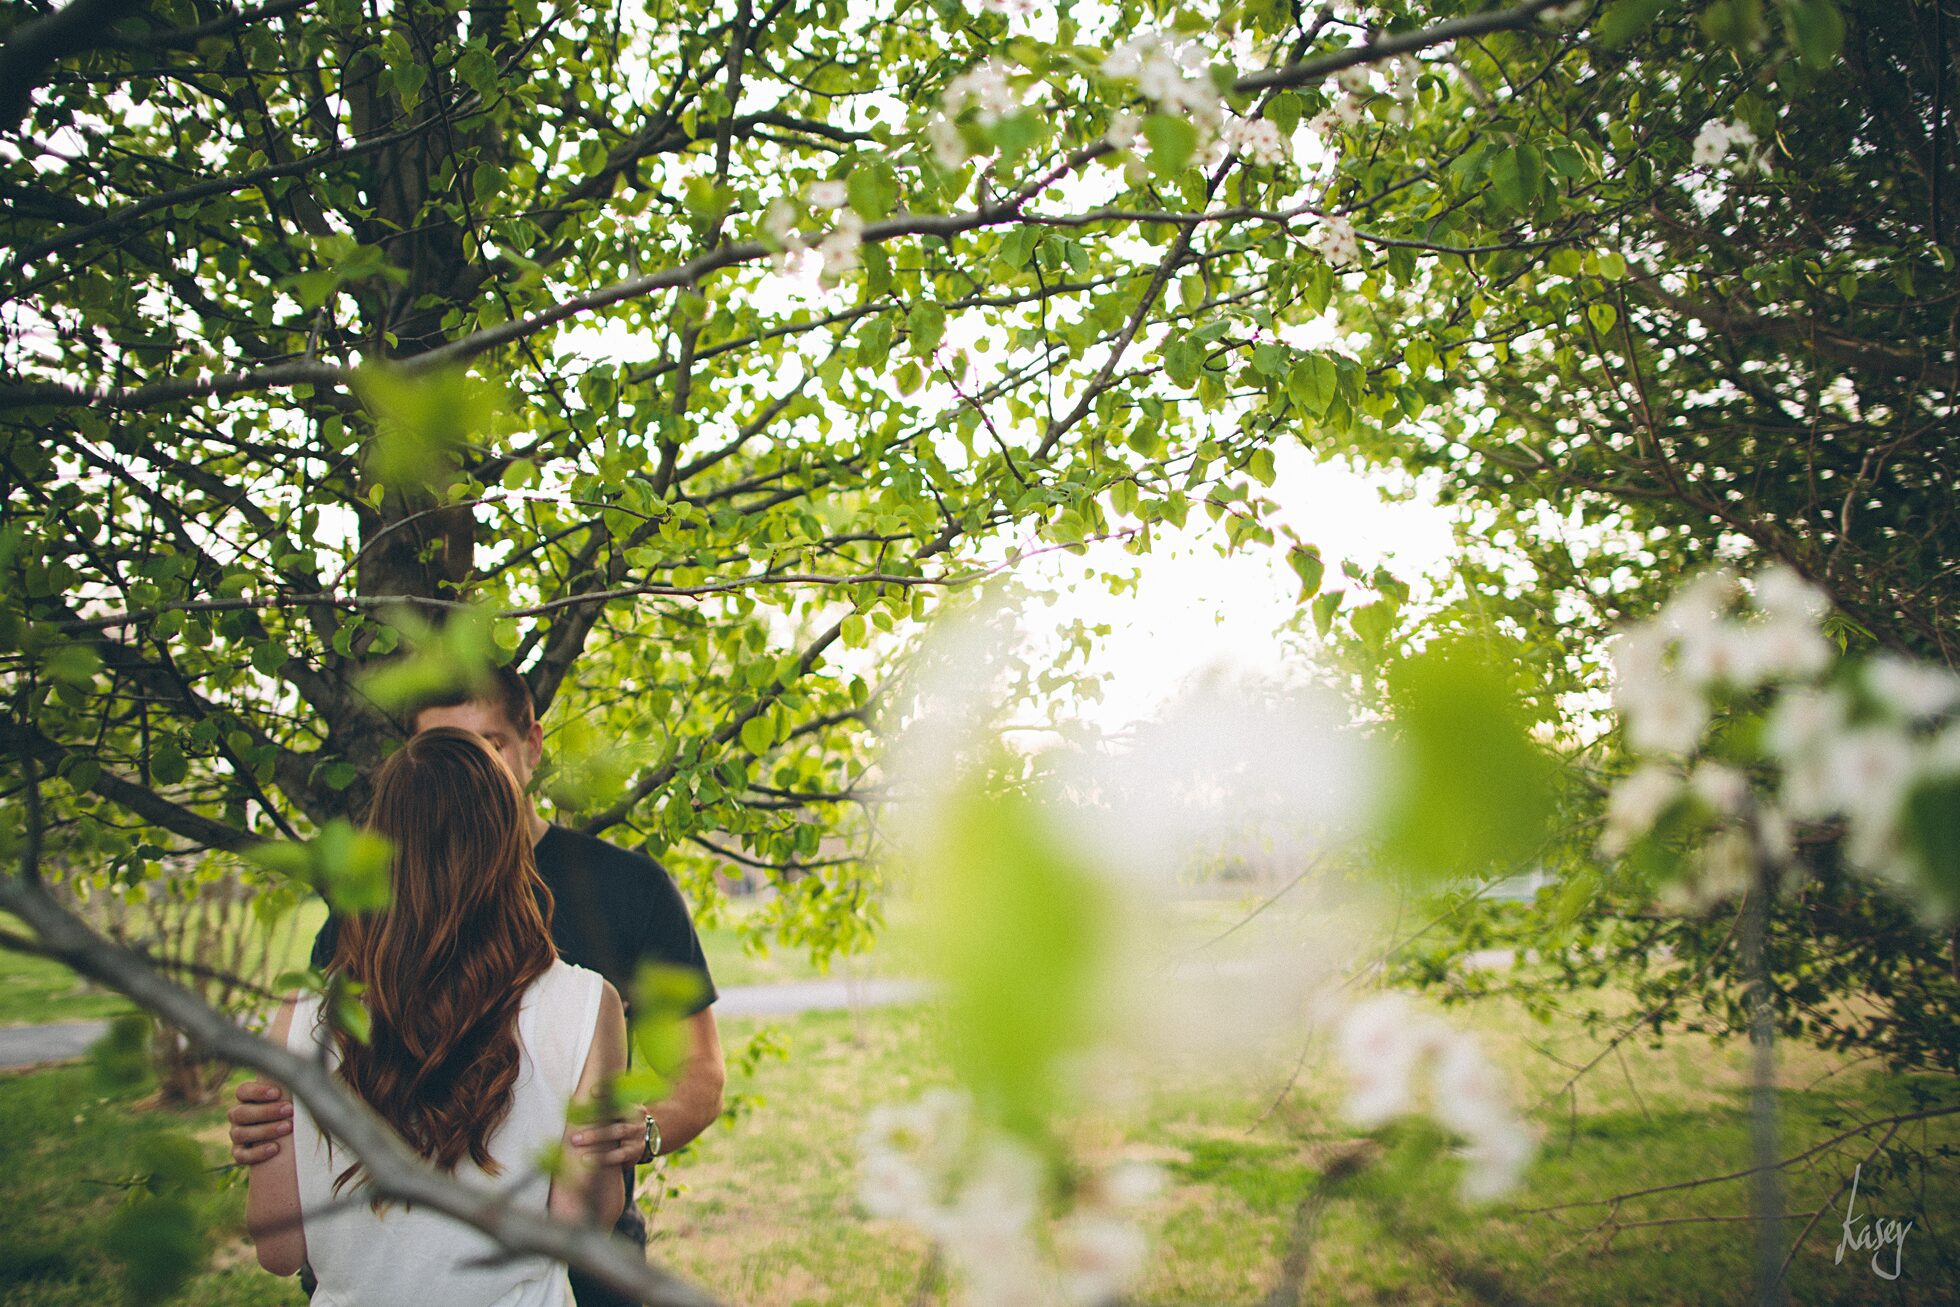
pixel 765 1211
pixel 767 1215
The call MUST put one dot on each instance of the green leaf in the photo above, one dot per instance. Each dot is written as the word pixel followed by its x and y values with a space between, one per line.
pixel 159 1245
pixel 121 1058
pixel 1816 29
pixel 758 736
pixel 1471 791
pixel 167 765
pixel 1307 565
pixel 873 189
pixel 1516 176
pixel 348 865
pixel 1014 928
pixel 1602 317
pixel 1172 143
pixel 458 655
pixel 423 421
pixel 925 326
pixel 1626 19
pixel 1930 824
pixel 1182 360
pixel 1323 611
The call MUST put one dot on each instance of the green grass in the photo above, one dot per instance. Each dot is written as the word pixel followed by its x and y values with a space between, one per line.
pixel 35 991
pixel 765 1212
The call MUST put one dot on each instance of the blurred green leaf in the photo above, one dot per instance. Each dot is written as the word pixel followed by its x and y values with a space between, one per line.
pixel 664 997
pixel 1816 28
pixel 456 655
pixel 347 864
pixel 1931 827
pixel 1626 19
pixel 159 1244
pixel 1471 789
pixel 1172 143
pixel 1015 928
pixel 121 1058
pixel 423 421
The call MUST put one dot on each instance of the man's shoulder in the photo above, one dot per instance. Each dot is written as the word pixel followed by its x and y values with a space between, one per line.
pixel 564 849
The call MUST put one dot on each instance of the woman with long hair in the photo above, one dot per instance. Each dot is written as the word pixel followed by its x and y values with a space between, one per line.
pixel 480 1039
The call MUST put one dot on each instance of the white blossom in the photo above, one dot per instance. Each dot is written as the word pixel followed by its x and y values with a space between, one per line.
pixel 1384 1043
pixel 1258 139
pixel 827 194
pixel 1381 1043
pixel 1348 110
pixel 1122 131
pixel 986 1229
pixel 1779 649
pixel 1495 1161
pixel 1173 75
pixel 1402 75
pixel 779 220
pixel 1722 788
pixel 1803 721
pixel 1716 139
pixel 1334 239
pixel 1099 1254
pixel 1781 592
pixel 1869 769
pixel 983 88
pixel 841 248
pixel 948 146
pixel 1635 804
pixel 1912 690
pixel 1669 721
pixel 1354 79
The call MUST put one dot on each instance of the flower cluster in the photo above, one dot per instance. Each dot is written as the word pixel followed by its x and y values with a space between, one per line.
pixel 1175 76
pixel 1386 1045
pixel 1334 240
pixel 1357 86
pixel 839 248
pixel 1021 8
pixel 1708 639
pixel 977 1194
pixel 985 90
pixel 1716 139
pixel 1853 744
pixel 1258 139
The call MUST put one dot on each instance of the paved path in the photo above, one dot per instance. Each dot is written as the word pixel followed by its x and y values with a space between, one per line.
pixel 63 1041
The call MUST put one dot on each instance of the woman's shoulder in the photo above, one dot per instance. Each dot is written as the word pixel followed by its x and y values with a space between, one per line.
pixel 566 981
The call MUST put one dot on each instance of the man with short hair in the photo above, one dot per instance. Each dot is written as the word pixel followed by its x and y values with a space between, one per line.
pixel 613 910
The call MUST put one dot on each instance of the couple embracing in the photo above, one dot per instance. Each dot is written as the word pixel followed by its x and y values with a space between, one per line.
pixel 492 983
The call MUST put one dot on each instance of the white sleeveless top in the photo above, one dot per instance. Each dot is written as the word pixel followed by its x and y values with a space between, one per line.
pixel 420 1256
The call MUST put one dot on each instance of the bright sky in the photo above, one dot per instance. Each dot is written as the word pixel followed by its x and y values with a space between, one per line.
pixel 1194 611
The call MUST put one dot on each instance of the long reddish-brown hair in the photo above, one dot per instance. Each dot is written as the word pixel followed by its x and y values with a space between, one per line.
pixel 445 965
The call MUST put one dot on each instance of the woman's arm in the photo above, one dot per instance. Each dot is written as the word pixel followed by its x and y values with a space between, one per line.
pixel 583 1191
pixel 272 1215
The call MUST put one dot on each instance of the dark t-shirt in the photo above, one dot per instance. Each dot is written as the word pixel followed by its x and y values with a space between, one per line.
pixel 612 910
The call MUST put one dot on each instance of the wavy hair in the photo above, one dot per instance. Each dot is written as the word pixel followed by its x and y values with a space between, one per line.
pixel 444 967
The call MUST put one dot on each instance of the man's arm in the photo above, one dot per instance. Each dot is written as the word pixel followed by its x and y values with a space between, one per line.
pixel 691 1108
